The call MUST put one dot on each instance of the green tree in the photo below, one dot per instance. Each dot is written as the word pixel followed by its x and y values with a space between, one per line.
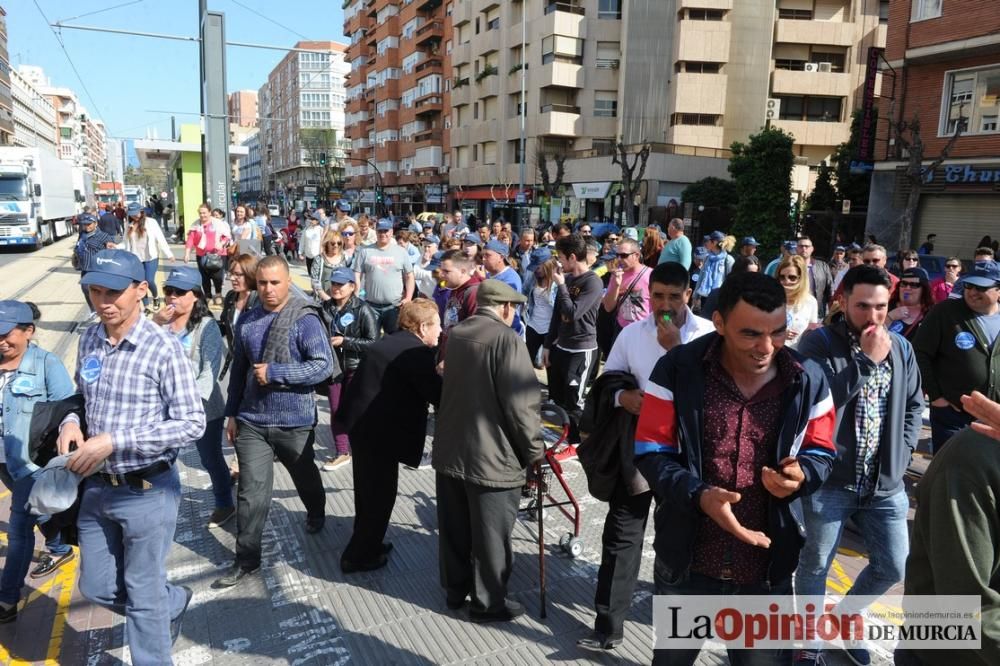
pixel 711 193
pixel 152 180
pixel 853 186
pixel 762 171
pixel 824 196
pixel 323 155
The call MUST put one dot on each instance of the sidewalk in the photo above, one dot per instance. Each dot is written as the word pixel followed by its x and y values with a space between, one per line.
pixel 301 609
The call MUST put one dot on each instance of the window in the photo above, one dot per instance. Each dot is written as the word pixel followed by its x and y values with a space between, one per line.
pixel 816 109
pixel 563 49
pixel 706 14
pixel 790 64
pixel 795 14
pixel 490 152
pixel 695 67
pixel 925 9
pixel 883 12
pixel 972 98
pixel 609 9
pixel 605 104
pixel 704 119
pixel 608 55
pixel 836 60
pixel 515 151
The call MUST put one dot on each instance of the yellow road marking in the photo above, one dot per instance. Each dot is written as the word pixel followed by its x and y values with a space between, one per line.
pixel 67 575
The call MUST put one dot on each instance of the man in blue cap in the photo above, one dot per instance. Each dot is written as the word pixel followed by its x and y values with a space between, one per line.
pixel 142 405
pixel 91 241
pixel 956 351
pixel 342 213
pixel 714 270
pixel 109 223
pixel 748 246
pixel 385 276
pixel 788 248
pixel 495 256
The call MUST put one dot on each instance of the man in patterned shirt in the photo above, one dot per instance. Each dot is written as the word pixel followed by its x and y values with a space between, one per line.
pixel 875 380
pixel 141 405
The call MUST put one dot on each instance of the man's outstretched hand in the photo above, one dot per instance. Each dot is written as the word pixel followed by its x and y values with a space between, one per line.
pixel 717 504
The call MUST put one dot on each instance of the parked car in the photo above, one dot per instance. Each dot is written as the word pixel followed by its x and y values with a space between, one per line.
pixel 273 210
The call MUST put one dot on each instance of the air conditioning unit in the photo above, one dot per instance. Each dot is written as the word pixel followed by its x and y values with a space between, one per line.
pixel 826 66
pixel 812 67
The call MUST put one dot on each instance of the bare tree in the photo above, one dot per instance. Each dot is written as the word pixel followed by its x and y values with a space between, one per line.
pixel 908 138
pixel 632 175
pixel 551 186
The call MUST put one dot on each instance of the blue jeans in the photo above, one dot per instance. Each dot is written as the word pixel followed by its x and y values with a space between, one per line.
pixel 151 267
pixel 386 317
pixel 697 585
pixel 125 534
pixel 21 538
pixel 882 521
pixel 946 422
pixel 214 462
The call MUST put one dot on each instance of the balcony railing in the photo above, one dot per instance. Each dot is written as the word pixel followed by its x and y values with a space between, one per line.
pixel 569 7
pixel 560 108
pixel 608 63
pixel 427 64
pixel 661 148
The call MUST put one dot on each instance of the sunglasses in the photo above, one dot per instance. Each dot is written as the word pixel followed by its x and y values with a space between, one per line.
pixel 978 287
pixel 910 285
pixel 174 291
pixel 624 255
pixel 332 244
pixel 910 259
pixel 346 233
pixel 871 262
pixel 784 277
pixel 952 266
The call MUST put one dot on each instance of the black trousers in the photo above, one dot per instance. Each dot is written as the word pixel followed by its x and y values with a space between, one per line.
pixel 474 527
pixel 534 340
pixel 621 556
pixel 376 483
pixel 210 277
pixel 255 450
pixel 567 375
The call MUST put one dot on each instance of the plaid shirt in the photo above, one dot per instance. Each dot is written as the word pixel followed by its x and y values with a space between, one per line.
pixel 142 392
pixel 869 418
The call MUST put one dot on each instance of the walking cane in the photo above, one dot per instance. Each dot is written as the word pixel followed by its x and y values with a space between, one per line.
pixel 541 538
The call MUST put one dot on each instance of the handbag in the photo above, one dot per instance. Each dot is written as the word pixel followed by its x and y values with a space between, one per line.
pixel 608 327
pixel 211 262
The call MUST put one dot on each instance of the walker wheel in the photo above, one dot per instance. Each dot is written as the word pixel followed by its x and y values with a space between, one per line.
pixel 574 547
pixel 531 510
pixel 564 540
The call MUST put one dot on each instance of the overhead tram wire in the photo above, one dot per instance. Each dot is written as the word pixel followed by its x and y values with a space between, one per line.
pixel 269 19
pixel 101 11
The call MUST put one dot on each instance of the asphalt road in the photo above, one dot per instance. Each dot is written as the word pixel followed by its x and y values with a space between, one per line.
pixel 10 254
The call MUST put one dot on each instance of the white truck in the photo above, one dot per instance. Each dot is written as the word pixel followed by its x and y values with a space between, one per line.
pixel 37 198
pixel 135 194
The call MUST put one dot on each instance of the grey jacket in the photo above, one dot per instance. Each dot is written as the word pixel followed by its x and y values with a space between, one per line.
pixel 821 285
pixel 488 426
pixel 847 372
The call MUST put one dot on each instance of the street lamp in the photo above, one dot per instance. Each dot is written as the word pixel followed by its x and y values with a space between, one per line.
pixel 379 189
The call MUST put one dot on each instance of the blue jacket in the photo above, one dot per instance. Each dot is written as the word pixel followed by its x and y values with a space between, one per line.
pixel 668 454
pixel 40 377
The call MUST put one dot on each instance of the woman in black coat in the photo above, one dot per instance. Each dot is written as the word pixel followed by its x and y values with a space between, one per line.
pixel 353 328
pixel 384 410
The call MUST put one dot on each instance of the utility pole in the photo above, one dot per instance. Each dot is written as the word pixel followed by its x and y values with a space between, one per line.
pixel 524 109
pixel 214 113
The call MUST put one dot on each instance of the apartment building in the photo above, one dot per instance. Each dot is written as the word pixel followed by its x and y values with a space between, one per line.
pixel 249 188
pixel 242 106
pixel 688 77
pixel 399 102
pixel 301 112
pixel 95 147
pixel 34 115
pixel 943 68
pixel 6 97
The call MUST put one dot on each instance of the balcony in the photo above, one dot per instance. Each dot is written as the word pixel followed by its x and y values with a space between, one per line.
pixel 430 33
pixel 828 84
pixel 561 23
pixel 562 74
pixel 428 138
pixel 387 152
pixel 558 120
pixel 567 7
pixel 815 33
pixel 815 133
pixel 700 93
pixel 461 54
pixel 428 6
pixel 432 66
pixel 486 42
pixel 489 86
pixel 429 104
pixel 461 95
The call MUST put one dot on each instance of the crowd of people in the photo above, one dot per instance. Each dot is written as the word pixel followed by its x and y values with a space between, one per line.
pixel 761 408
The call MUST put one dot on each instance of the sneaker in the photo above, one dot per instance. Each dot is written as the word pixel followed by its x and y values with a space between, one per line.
pixel 236 575
pixel 599 641
pixel 175 624
pixel 857 652
pixel 9 614
pixel 47 564
pixel 565 452
pixel 333 463
pixel 809 658
pixel 221 516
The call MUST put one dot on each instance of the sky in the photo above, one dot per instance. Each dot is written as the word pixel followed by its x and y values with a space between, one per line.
pixel 132 79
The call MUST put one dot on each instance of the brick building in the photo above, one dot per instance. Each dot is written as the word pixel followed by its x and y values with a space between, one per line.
pixel 942 67
pixel 243 108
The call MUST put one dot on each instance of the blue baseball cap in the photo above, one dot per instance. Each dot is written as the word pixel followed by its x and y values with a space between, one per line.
pixel 316 216
pixel 717 236
pixel 385 224
pixel 342 275
pixel 344 206
pixel 435 261
pixel 790 246
pixel 114 269
pixel 133 209
pixel 840 248
pixel 85 219
pixel 750 240
pixel 539 256
pixel 431 239
pixel 701 252
pixel 183 277
pixel 472 238
pixel 630 233
pixel 985 274
pixel 13 313
pixel 428 224
pixel 499 247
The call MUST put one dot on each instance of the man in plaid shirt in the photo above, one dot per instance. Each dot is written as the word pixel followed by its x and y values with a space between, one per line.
pixel 875 382
pixel 141 406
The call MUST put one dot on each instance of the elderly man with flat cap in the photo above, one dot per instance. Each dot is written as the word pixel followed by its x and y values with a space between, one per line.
pixel 486 435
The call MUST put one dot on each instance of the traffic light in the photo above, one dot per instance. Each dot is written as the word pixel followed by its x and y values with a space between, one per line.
pixel 378 196
pixel 322 159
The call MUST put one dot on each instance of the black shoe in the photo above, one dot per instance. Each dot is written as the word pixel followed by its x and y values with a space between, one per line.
pixel 47 564
pixel 455 603
pixel 236 575
pixel 8 615
pixel 175 624
pixel 599 641
pixel 349 567
pixel 314 525
pixel 386 547
pixel 510 611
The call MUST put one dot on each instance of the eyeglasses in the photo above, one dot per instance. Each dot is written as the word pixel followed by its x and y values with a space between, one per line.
pixel 585 232
pixel 173 291
pixel 233 275
pixel 785 277
pixel 346 233
pixel 871 262
pixel 612 239
pixel 910 285
pixel 332 244
pixel 624 255
pixel 952 266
